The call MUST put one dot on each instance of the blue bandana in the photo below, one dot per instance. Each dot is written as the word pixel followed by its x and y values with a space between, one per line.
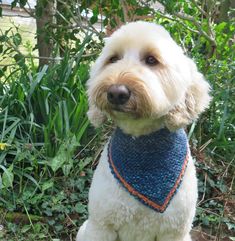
pixel 150 167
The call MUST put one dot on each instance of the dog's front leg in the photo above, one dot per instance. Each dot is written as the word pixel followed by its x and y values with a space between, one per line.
pixel 93 231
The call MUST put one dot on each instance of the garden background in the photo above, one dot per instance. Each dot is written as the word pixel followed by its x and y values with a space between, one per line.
pixel 48 150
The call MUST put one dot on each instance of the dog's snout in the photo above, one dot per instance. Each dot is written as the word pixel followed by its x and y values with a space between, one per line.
pixel 118 94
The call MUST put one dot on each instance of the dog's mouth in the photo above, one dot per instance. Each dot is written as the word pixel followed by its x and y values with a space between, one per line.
pixel 128 110
pixel 118 108
pixel 122 98
pixel 115 110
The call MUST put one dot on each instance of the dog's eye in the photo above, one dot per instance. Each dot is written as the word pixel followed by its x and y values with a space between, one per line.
pixel 113 59
pixel 150 60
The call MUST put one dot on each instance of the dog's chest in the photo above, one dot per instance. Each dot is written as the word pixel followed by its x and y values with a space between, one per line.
pixel 150 167
pixel 112 205
pixel 137 232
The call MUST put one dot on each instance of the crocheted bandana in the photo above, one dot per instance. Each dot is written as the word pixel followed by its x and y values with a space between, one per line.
pixel 149 167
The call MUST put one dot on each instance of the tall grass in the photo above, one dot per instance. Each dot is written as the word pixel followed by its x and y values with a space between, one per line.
pixel 42 122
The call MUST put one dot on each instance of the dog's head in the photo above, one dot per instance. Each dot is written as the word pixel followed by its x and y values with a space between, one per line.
pixel 143 81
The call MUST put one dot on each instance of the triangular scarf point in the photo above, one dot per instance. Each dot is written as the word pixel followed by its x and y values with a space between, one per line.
pixel 149 167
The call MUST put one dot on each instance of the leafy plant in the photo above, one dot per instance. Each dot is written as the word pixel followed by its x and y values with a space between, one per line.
pixel 43 122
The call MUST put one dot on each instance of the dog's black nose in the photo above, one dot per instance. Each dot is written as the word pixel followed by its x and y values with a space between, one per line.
pixel 118 94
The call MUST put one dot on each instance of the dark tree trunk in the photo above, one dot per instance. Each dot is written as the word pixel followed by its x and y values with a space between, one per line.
pixel 60 32
pixel 43 21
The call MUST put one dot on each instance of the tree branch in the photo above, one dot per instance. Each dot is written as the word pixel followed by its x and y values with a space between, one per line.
pixel 197 25
pixel 80 19
pixel 200 9
pixel 178 21
pixel 209 36
pixel 124 10
pixel 30 13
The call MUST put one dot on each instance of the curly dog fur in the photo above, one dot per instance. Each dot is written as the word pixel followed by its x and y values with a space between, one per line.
pixel 162 89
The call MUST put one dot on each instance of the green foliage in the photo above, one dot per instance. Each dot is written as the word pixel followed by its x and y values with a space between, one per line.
pixel 214 132
pixel 219 70
pixel 43 121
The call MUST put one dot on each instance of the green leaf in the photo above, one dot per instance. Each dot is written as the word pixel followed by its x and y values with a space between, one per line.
pixel 66 117
pixel 32 179
pixel 2 70
pixel 58 161
pixel 13 4
pixel 46 185
pixel 142 11
pixel 18 57
pixel 7 177
pixel 17 39
pixel 85 162
pixel 25 228
pixel 23 3
pixel 67 167
pixel 93 19
pixel 3 38
pixel 82 130
pixel 64 155
pixel 38 79
pixel 10 129
pixel 80 208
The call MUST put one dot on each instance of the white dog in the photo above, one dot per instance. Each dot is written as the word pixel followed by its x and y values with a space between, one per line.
pixel 145 187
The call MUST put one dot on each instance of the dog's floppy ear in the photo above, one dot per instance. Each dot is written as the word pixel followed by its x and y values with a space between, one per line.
pixel 96 117
pixel 94 114
pixel 195 101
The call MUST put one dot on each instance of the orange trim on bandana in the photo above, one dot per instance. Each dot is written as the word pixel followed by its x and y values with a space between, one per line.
pixel 144 198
